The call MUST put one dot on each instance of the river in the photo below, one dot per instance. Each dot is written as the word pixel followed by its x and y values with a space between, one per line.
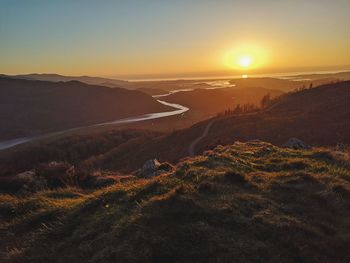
pixel 179 109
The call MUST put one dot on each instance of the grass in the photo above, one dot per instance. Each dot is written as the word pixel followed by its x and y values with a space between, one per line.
pixel 247 202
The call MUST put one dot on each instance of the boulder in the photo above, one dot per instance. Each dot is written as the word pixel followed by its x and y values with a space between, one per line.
pixel 32 182
pixel 296 144
pixel 166 167
pixel 153 168
pixel 27 176
pixel 149 168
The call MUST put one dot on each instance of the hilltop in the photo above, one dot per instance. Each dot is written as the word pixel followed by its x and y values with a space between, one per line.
pixel 247 202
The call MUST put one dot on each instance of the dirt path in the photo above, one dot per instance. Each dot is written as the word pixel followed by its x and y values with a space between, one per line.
pixel 192 146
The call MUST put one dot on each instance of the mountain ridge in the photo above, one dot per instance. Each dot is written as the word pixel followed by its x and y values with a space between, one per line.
pixel 33 107
pixel 57 77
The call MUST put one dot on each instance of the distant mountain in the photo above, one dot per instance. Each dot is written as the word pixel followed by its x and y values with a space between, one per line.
pixel 292 82
pixel 30 107
pixel 85 79
pixel 269 83
pixel 336 76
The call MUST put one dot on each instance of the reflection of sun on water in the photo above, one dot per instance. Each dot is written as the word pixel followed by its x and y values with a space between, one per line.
pixel 244 76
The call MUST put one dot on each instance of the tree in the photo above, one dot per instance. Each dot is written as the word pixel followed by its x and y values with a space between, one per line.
pixel 266 101
pixel 238 109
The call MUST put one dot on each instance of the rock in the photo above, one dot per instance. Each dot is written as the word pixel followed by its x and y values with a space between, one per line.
pixel 166 167
pixel 152 164
pixel 149 168
pixel 153 168
pixel 295 143
pixel 26 176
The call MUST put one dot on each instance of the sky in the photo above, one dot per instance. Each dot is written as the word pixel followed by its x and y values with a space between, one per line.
pixel 166 37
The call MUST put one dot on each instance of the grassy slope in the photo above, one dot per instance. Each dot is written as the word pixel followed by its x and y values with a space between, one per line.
pixel 247 202
pixel 213 101
pixel 318 116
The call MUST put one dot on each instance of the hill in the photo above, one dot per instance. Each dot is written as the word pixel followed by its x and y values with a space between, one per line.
pixel 213 101
pixel 251 202
pixel 319 116
pixel 30 107
pixel 345 75
pixel 85 79
pixel 287 84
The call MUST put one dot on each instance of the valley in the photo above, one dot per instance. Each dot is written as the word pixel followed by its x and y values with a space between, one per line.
pixel 174 131
pixel 214 157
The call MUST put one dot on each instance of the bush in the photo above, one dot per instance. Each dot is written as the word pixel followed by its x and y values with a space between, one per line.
pixel 58 174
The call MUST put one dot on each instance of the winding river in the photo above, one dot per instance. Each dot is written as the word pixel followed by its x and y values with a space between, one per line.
pixel 178 109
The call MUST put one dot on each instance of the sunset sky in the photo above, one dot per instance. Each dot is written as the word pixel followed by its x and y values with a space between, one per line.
pixel 167 37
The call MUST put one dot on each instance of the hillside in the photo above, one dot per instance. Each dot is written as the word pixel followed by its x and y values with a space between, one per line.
pixel 213 101
pixel 319 116
pixel 85 79
pixel 292 82
pixel 251 202
pixel 33 107
pixel 345 75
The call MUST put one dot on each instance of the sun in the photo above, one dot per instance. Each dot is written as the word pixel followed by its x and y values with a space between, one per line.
pixel 245 57
pixel 245 61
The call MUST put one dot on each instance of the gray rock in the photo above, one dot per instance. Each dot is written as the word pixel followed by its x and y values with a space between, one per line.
pixel 150 168
pixel 166 167
pixel 295 143
pixel 153 168
pixel 27 176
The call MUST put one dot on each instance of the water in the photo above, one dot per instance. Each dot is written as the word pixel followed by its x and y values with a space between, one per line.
pixel 179 109
pixel 14 142
pixel 170 92
pixel 291 74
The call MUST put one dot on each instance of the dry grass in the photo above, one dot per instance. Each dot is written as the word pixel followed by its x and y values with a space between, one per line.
pixel 248 202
